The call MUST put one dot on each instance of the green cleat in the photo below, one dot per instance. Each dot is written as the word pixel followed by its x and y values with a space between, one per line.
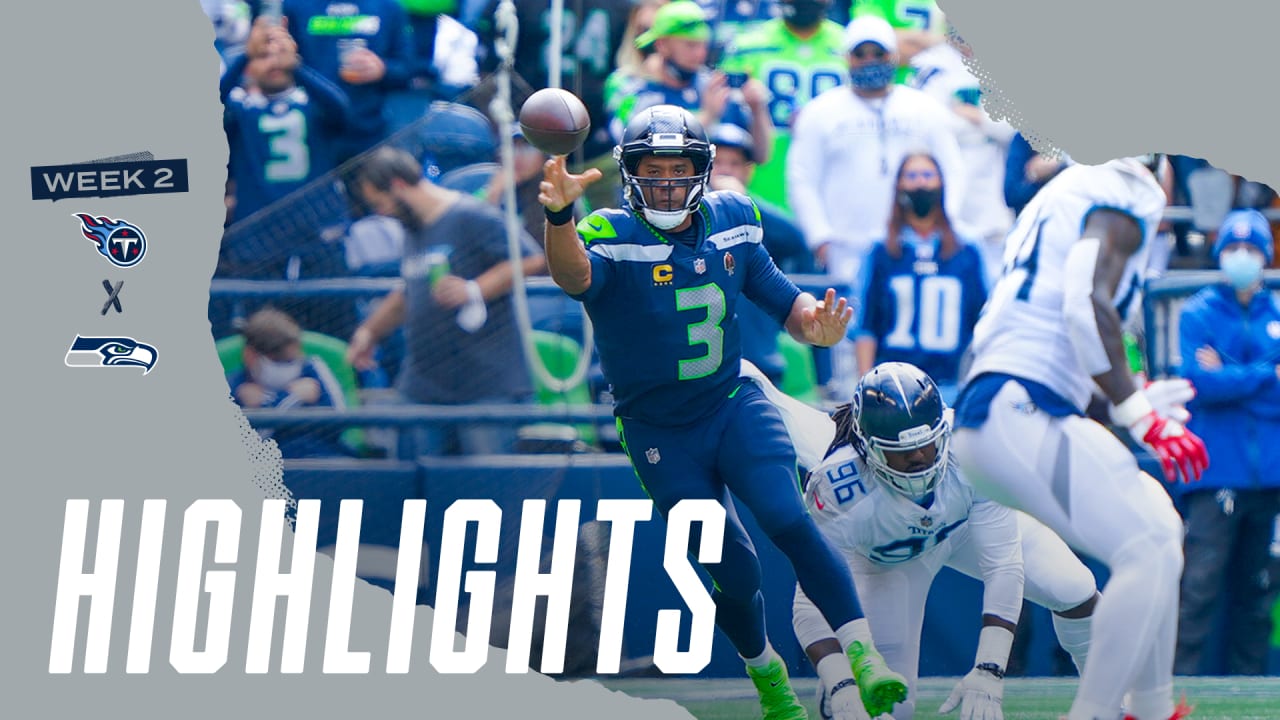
pixel 880 687
pixel 777 699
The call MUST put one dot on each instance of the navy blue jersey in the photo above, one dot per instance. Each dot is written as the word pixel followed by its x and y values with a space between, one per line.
pixel 304 441
pixel 665 314
pixel 642 93
pixel 279 143
pixel 326 30
pixel 921 308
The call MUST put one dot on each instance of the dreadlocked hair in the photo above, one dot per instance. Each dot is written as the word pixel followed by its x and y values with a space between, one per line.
pixel 843 418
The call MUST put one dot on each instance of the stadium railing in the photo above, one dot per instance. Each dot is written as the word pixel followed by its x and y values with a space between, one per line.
pixel 384 484
pixel 1162 302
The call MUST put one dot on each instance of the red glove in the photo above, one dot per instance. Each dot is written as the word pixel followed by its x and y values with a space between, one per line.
pixel 1179 450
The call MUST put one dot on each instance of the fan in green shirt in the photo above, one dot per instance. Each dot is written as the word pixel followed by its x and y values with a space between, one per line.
pixel 796 56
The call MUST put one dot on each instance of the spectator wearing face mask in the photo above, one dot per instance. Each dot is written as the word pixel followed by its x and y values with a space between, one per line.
pixel 925 282
pixel 277 374
pixel 797 56
pixel 1229 335
pixel 847 145
pixel 729 20
pixel 984 145
pixel 732 170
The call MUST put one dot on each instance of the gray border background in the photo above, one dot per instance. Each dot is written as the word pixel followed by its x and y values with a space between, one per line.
pixel 88 79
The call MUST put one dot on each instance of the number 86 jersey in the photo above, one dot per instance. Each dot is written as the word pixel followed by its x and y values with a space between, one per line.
pixel 665 311
pixel 1022 330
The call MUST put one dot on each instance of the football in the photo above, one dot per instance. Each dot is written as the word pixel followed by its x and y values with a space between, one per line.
pixel 555 121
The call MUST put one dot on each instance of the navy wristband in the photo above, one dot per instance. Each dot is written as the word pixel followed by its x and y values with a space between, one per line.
pixel 847 682
pixel 991 669
pixel 559 217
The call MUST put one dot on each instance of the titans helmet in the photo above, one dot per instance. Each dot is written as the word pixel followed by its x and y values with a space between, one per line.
pixel 897 408
pixel 664 131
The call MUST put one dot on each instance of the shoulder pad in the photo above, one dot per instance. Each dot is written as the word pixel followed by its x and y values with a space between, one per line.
pixel 838 483
pixel 607 225
pixel 728 209
pixel 733 219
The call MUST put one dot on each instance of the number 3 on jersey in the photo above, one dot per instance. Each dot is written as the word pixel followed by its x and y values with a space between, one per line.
pixel 290 160
pixel 705 332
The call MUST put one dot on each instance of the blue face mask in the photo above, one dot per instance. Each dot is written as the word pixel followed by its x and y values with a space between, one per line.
pixel 873 76
pixel 1243 268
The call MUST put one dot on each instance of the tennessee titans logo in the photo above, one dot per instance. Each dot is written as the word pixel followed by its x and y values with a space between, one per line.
pixel 119 241
pixel 110 352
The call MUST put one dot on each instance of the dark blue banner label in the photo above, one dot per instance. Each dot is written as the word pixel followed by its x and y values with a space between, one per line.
pixel 111 179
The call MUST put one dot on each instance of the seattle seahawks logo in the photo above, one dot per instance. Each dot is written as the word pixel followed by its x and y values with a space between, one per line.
pixel 119 241
pixel 110 352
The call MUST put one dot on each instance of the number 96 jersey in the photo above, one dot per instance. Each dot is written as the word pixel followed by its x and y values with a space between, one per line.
pixel 861 516
pixel 665 312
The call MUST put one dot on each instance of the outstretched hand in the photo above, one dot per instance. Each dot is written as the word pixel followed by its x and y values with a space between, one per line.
pixel 825 324
pixel 559 188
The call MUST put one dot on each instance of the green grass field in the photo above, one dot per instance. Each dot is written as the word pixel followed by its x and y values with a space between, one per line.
pixel 1025 698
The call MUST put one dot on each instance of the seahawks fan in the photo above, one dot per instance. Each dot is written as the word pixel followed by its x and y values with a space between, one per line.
pixel 680 38
pixel 796 56
pixel 888 496
pixel 661 280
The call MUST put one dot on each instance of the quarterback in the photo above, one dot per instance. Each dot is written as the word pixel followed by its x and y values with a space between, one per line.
pixel 661 280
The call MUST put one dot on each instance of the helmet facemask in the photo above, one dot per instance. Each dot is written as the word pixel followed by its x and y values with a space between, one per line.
pixel 665 202
pixel 898 410
pixel 915 484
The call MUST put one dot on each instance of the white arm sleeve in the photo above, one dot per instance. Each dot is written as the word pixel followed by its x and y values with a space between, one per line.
pixel 811 430
pixel 805 159
pixel 807 621
pixel 993 530
pixel 1077 306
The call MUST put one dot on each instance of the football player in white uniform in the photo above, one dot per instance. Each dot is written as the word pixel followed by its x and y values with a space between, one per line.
pixel 1049 335
pixel 888 497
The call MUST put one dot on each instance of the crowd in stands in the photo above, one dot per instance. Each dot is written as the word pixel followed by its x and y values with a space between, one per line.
pixel 855 126
pixel 361 145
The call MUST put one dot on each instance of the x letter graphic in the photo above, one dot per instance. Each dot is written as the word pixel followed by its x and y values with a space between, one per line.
pixel 113 296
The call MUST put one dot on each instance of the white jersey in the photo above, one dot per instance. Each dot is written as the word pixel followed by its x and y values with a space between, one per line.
pixel 1022 330
pixel 843 162
pixel 984 147
pixel 858 514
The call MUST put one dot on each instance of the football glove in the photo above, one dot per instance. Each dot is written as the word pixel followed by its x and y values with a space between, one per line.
pixel 1179 450
pixel 1169 398
pixel 843 704
pixel 979 695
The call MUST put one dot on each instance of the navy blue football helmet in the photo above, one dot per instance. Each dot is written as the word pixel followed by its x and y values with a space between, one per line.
pixel 664 131
pixel 897 408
